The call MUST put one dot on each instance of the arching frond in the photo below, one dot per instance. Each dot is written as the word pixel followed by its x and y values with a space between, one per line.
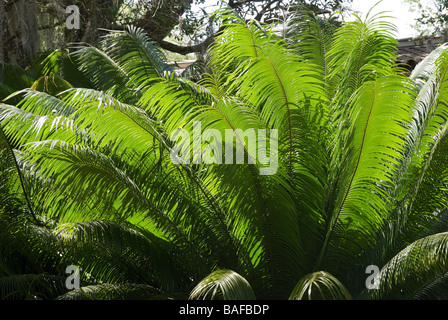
pixel 370 159
pixel 361 51
pixel 319 286
pixel 427 169
pixel 125 291
pixel 142 59
pixel 12 183
pixel 88 244
pixel 104 73
pixel 223 285
pixel 31 287
pixel 311 36
pixel 412 269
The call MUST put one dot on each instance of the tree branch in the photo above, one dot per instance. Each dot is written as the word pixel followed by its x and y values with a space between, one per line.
pixel 200 47
pixel 237 4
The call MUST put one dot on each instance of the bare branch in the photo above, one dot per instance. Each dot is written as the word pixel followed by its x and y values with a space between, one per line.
pixel 200 47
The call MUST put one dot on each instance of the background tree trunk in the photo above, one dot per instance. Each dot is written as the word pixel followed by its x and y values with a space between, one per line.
pixel 28 26
pixel 19 31
pixel 2 29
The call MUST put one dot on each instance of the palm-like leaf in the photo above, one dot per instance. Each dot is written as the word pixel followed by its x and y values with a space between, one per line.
pixel 319 286
pixel 380 115
pixel 115 292
pixel 418 266
pixel 223 285
pixel 360 148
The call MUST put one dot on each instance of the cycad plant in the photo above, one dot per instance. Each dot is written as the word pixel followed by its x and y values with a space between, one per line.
pixel 356 175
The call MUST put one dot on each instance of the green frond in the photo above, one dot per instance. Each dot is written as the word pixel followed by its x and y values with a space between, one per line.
pixel 361 51
pixel 319 286
pixel 247 38
pixel 427 67
pixel 223 285
pixel 123 72
pixel 425 182
pixel 369 162
pixel 142 59
pixel 311 36
pixel 412 269
pixel 125 291
pixel 88 244
pixel 22 126
pixel 9 162
pixel 104 72
pixel 44 103
pixel 31 287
